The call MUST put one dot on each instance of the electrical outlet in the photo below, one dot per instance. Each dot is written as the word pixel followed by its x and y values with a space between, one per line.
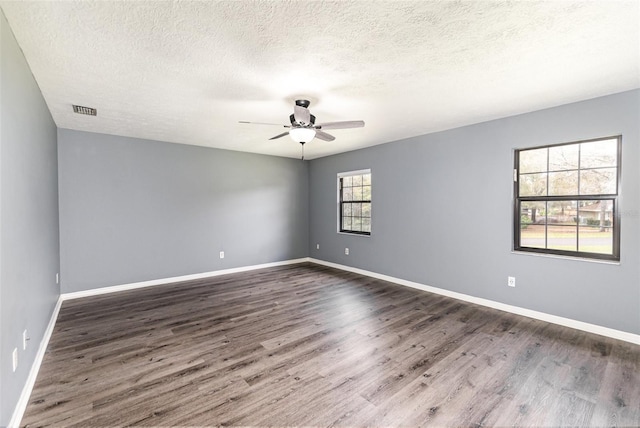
pixel 15 359
pixel 57 278
pixel 317 246
pixel 222 254
pixel 25 338
pixel 346 251
pixel 511 281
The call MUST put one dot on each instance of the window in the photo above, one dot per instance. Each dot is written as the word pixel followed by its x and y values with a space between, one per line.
pixel 566 199
pixel 354 202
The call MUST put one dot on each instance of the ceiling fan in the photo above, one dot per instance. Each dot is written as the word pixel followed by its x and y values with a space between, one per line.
pixel 303 126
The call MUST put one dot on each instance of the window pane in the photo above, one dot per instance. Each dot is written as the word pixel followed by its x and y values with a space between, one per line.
pixel 366 193
pixel 356 224
pixel 563 157
pixel 347 194
pixel 533 160
pixel 357 180
pixel 596 213
pixel 563 183
pixel 562 230
pixel 534 212
pixel 532 224
pixel 346 223
pixel 366 225
pixel 346 181
pixel 596 227
pixel 346 209
pixel 366 179
pixel 562 212
pixel 593 241
pixel 356 210
pixel 562 237
pixel 357 193
pixel 599 154
pixel 366 210
pixel 533 236
pixel 533 185
pixel 598 181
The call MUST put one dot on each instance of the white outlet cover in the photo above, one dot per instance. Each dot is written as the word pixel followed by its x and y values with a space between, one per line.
pixel 57 278
pixel 24 340
pixel 222 254
pixel 346 251
pixel 511 281
pixel 317 246
pixel 15 359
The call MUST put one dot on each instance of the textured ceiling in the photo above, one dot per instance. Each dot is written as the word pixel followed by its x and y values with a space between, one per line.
pixel 188 71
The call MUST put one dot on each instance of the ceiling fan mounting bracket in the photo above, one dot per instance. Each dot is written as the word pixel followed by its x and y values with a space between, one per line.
pixel 303 103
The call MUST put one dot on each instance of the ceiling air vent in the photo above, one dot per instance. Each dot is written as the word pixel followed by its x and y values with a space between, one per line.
pixel 85 110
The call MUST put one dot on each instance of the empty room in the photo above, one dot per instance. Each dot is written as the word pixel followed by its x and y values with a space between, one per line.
pixel 320 213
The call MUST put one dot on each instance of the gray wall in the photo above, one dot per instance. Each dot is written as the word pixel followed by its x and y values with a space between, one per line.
pixel 442 214
pixel 135 210
pixel 28 218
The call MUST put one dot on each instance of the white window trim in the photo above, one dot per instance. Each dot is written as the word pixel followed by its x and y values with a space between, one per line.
pixel 337 209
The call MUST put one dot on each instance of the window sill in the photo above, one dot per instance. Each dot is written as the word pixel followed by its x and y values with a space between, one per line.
pixel 577 259
pixel 354 234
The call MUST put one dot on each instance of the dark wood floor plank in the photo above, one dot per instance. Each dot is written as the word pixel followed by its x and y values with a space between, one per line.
pixel 472 367
pixel 308 345
pixel 617 401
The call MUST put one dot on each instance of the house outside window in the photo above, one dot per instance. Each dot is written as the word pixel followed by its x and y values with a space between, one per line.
pixel 567 199
pixel 354 202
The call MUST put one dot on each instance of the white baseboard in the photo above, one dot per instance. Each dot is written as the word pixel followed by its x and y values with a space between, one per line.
pixel 142 284
pixel 21 406
pixel 554 319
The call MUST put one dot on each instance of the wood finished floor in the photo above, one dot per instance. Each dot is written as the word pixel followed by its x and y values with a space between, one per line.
pixel 306 345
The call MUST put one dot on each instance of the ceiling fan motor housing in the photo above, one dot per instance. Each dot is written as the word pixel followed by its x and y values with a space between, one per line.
pixel 312 120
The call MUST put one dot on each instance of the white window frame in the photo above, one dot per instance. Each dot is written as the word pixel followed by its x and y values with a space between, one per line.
pixel 339 207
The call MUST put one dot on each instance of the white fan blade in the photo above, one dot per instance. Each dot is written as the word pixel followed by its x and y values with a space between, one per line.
pixel 341 125
pixel 324 136
pixel 301 115
pixel 279 135
pixel 262 123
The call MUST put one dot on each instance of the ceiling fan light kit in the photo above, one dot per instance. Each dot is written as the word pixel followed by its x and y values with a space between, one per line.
pixel 302 135
pixel 303 126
